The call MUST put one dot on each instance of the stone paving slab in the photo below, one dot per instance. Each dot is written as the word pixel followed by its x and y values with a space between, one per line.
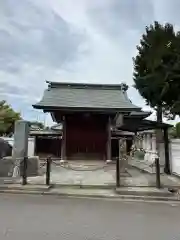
pixel 104 177
pixel 61 176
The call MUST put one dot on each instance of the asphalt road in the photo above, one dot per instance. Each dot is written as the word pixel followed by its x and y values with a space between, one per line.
pixel 49 217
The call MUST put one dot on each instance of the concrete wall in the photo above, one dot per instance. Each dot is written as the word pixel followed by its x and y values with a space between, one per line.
pixel 31 144
pixel 148 143
pixel 175 156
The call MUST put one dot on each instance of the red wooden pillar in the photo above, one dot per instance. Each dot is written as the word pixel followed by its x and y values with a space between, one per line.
pixel 108 147
pixel 63 142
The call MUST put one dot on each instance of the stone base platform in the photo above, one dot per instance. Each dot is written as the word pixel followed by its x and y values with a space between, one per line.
pixel 10 167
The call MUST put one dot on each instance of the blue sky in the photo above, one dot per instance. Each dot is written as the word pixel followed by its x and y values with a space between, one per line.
pixel 72 40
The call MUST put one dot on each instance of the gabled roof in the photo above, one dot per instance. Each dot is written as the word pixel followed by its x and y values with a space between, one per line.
pixel 139 115
pixel 137 125
pixel 57 127
pixel 76 96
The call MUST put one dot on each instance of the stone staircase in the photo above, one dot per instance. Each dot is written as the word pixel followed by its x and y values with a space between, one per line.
pixel 86 156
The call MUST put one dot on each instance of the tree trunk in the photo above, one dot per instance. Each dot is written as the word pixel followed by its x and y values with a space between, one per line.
pixel 159 114
pixel 159 131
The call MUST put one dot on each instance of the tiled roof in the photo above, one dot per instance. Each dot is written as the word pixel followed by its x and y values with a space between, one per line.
pixel 85 96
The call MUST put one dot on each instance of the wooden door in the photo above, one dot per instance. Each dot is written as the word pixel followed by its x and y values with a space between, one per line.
pixel 85 139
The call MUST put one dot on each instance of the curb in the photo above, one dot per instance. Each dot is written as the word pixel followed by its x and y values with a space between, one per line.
pixel 17 191
pixel 34 189
pixel 78 186
pixel 120 197
pixel 95 196
pixel 164 194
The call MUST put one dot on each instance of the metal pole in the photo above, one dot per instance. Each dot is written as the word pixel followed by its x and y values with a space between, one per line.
pixel 158 181
pixel 118 165
pixel 48 170
pixel 118 172
pixel 166 149
pixel 24 175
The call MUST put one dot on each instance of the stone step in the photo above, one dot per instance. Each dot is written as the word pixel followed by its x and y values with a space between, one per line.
pixel 85 156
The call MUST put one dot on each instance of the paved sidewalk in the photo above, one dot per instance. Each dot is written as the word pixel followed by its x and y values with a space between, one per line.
pixel 126 193
pixel 104 177
pixel 97 174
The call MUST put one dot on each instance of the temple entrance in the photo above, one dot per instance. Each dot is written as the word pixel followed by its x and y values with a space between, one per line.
pixel 48 146
pixel 85 138
pixel 87 147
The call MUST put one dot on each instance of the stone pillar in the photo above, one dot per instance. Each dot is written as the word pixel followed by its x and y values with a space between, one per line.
pixel 20 147
pixel 153 150
pixel 148 141
pixel 21 134
pixel 144 141
pixel 63 142
pixel 108 148
pixel 161 154
pixel 148 147
pixel 154 143
pixel 122 155
pixel 160 147
pixel 137 142
pixel 20 150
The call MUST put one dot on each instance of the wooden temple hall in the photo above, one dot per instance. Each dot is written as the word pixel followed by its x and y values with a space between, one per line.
pixel 93 116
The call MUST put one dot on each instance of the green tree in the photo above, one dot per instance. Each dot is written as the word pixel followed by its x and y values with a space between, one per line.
pixel 7 118
pixel 157 68
pixel 156 71
pixel 172 87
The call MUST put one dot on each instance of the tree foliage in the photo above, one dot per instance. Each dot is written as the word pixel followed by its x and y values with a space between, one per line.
pixel 7 118
pixel 157 68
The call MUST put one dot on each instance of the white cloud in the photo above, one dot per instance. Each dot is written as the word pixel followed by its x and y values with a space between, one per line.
pixel 67 40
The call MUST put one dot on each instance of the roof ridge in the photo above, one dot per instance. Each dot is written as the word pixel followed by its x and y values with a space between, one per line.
pixel 120 86
pixel 83 97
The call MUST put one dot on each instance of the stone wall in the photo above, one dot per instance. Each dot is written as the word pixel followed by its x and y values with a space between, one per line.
pixel 148 143
pixel 10 167
pixel 31 144
pixel 175 156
